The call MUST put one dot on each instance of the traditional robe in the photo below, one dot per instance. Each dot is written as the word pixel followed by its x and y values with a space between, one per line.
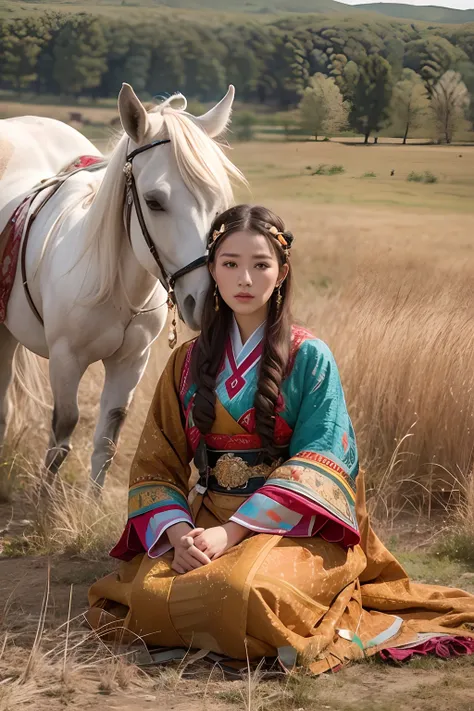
pixel 311 574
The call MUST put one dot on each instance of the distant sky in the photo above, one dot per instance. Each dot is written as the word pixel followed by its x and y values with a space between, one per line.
pixel 458 4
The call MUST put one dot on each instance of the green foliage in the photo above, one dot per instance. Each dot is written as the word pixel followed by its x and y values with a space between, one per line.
pixel 369 174
pixel 243 125
pixel 425 177
pixel 372 95
pixel 271 62
pixel 410 104
pixel 458 545
pixel 431 56
pixel 322 108
pixel 79 53
pixel 324 169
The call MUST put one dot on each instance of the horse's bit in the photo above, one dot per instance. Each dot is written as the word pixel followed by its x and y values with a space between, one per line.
pixel 132 199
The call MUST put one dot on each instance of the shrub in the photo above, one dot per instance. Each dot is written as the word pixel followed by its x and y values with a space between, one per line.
pixel 244 125
pixel 324 169
pixel 426 177
pixel 369 175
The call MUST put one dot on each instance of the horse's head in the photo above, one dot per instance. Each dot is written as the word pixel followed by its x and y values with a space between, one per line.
pixel 180 186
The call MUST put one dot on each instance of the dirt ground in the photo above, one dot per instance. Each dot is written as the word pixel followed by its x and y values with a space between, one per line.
pixel 422 685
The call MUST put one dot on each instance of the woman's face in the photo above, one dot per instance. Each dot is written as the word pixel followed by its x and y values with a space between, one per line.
pixel 246 270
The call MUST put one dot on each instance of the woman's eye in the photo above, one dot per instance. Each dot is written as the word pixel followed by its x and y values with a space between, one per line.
pixel 231 265
pixel 262 265
pixel 155 206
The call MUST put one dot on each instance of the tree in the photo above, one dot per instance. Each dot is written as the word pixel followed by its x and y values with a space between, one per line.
pixel 322 108
pixel 21 46
pixel 288 68
pixel 79 55
pixel 449 101
pixel 372 95
pixel 431 56
pixel 467 74
pixel 410 103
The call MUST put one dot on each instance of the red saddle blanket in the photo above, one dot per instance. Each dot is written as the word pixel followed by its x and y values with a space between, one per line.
pixel 10 238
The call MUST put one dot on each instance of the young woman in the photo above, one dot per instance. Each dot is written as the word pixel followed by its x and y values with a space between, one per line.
pixel 272 546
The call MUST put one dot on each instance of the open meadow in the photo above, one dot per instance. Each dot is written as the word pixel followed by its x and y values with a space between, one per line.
pixel 385 275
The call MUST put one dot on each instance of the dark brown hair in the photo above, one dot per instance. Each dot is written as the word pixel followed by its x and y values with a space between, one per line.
pixel 208 352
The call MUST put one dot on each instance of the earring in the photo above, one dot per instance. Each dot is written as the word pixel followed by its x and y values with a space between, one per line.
pixel 216 299
pixel 279 298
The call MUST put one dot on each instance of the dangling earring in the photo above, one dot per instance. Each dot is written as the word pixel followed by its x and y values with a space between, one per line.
pixel 279 298
pixel 216 299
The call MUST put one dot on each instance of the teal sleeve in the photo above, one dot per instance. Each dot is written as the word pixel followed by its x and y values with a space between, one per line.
pixel 323 425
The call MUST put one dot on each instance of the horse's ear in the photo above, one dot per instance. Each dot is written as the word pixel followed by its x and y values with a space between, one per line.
pixel 133 114
pixel 217 119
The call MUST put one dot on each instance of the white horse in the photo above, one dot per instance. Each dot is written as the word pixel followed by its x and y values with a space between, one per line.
pixel 98 293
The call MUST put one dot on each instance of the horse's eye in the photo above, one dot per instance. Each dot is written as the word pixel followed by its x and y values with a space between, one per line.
pixel 154 205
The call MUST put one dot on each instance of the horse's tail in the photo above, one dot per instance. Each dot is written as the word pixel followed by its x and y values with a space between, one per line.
pixel 29 393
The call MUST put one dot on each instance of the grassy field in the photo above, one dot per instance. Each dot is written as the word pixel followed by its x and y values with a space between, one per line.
pixel 385 274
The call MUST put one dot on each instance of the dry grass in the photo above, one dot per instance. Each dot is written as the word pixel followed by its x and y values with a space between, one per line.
pixel 390 290
pixel 458 544
pixel 66 519
pixel 62 665
pixel 385 274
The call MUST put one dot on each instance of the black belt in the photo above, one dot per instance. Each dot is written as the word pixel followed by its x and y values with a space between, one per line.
pixel 206 459
pixel 250 487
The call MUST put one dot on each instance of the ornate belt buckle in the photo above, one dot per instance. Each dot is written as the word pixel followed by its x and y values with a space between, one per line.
pixel 232 472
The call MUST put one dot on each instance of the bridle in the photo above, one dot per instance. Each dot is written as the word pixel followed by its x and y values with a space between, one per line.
pixel 132 199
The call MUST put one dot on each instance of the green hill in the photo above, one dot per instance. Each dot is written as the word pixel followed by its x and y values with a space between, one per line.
pixel 264 7
pixel 428 13
pixel 258 9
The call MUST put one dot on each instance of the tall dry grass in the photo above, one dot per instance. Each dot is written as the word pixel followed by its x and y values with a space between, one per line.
pixel 406 353
pixel 391 293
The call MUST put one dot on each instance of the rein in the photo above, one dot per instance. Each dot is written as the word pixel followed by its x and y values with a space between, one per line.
pixel 132 200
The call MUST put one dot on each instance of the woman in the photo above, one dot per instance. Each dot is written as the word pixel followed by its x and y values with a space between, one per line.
pixel 272 547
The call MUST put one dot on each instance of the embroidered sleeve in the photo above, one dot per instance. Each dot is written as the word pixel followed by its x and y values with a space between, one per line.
pixel 314 491
pixel 160 471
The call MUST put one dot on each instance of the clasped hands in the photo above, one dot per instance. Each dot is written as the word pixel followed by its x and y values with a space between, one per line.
pixel 195 547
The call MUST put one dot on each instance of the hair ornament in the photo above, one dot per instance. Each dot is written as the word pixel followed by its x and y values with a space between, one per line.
pixel 217 233
pixel 285 239
pixel 278 235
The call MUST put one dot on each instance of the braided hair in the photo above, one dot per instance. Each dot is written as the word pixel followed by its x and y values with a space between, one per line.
pixel 208 352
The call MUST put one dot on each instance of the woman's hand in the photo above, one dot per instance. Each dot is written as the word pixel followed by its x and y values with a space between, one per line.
pixel 215 541
pixel 186 555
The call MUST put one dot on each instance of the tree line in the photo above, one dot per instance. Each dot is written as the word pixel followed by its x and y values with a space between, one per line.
pixel 369 61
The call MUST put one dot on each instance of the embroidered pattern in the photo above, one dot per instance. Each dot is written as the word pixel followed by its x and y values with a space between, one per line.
pixel 236 381
pixel 147 497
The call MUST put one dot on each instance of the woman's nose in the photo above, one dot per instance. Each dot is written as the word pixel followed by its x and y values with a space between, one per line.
pixel 245 279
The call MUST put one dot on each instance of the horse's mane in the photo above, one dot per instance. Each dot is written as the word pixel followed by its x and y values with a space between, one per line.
pixel 203 166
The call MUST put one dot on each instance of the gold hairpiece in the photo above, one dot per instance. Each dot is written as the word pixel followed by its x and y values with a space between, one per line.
pixel 279 235
pixel 217 233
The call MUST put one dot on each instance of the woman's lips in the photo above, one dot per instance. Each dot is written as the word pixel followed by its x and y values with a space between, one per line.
pixel 244 297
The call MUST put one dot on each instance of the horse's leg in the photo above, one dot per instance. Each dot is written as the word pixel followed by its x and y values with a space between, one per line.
pixel 65 373
pixel 122 376
pixel 8 346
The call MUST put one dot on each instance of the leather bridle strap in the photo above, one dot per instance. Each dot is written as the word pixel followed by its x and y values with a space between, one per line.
pixel 132 199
